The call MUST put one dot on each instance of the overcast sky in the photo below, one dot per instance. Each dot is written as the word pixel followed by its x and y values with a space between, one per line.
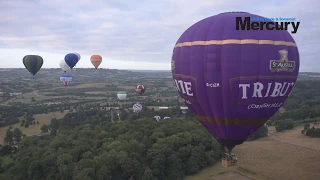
pixel 132 34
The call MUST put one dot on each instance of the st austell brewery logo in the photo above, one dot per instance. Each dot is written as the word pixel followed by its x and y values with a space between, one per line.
pixel 172 63
pixel 283 64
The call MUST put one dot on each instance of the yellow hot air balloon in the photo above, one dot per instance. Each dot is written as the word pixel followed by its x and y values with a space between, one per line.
pixel 96 60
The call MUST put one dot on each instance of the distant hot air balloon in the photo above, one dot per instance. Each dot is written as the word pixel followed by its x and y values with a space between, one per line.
pixel 184 109
pixel 96 60
pixel 79 57
pixel 232 80
pixel 122 95
pixel 64 66
pixel 33 63
pixel 66 79
pixel 137 108
pixel 71 59
pixel 140 89
pixel 157 117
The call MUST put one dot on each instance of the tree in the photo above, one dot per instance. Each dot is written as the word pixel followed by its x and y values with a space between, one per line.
pixel 175 167
pixel 6 149
pixel 9 137
pixel 148 175
pixel 44 128
pixel 17 134
pixel 307 126
pixel 261 132
pixel 131 167
pixel 284 125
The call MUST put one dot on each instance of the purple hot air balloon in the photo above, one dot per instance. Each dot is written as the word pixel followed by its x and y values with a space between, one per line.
pixel 232 80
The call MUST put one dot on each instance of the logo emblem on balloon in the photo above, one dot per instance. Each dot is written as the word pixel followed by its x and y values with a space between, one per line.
pixel 283 64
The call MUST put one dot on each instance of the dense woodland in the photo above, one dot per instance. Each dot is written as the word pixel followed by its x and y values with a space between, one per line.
pixel 91 142
pixel 94 148
pixel 143 148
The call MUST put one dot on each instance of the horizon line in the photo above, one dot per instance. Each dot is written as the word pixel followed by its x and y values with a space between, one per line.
pixel 101 68
pixel 131 69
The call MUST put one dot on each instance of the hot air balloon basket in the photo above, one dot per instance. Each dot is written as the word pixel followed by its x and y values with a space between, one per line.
pixel 228 162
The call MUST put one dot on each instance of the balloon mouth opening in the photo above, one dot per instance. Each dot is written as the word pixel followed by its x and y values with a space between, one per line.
pixel 229 144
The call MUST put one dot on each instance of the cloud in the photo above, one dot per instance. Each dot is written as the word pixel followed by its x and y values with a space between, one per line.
pixel 137 30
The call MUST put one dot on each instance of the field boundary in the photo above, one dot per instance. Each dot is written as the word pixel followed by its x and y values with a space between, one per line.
pixel 290 143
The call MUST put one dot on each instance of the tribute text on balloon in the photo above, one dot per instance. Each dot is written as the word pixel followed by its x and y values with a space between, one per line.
pixel 272 90
pixel 184 87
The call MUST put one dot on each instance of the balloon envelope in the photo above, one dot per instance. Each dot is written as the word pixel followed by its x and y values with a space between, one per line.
pixel 140 89
pixel 33 63
pixel 157 117
pixel 79 57
pixel 96 60
pixel 137 108
pixel 71 59
pixel 122 95
pixel 232 80
pixel 64 66
pixel 66 79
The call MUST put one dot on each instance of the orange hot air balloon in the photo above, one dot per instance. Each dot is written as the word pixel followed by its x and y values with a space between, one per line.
pixel 96 60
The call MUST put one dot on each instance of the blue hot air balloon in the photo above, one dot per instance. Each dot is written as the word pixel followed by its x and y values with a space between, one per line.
pixel 71 59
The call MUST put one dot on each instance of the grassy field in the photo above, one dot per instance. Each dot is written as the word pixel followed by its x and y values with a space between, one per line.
pixel 33 129
pixel 88 85
pixel 96 92
pixel 169 83
pixel 28 99
pixel 271 159
pixel 295 136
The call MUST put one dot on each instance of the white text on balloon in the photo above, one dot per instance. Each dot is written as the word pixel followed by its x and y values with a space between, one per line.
pixel 279 89
pixel 184 87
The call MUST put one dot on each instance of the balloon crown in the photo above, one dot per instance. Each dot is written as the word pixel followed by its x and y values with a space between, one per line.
pixel 233 12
